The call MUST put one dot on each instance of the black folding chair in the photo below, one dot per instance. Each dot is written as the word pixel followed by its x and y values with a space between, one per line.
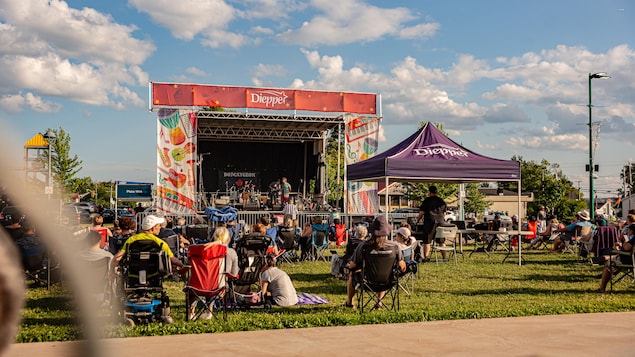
pixel 379 279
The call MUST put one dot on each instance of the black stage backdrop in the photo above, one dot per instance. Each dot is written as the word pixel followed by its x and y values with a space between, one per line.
pixel 270 161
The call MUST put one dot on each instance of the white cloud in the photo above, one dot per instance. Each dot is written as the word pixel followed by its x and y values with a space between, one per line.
pixel 187 18
pixel 15 103
pixel 196 71
pixel 51 49
pixel 266 70
pixel 269 9
pixel 85 34
pixel 347 21
pixel 218 38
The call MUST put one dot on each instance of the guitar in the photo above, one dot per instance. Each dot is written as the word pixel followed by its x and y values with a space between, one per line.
pixel 175 178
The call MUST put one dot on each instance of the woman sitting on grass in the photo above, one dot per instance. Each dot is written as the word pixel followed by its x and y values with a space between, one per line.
pixel 277 287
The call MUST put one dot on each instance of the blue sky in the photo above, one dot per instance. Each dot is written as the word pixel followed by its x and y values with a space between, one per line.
pixel 504 77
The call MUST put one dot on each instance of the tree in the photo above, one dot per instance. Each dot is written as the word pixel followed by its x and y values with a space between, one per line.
pixel 63 166
pixel 550 187
pixel 335 188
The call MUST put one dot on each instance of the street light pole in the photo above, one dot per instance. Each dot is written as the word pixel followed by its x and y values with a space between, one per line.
pixel 599 75
pixel 49 136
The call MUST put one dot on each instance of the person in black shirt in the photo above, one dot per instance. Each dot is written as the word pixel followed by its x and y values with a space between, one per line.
pixel 432 211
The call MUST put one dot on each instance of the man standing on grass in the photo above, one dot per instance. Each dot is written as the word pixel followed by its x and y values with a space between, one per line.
pixel 432 211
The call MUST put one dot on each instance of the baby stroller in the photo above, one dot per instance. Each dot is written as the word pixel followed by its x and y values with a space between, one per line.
pixel 141 293
pixel 245 290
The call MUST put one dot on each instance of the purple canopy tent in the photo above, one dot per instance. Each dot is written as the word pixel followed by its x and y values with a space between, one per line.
pixel 430 156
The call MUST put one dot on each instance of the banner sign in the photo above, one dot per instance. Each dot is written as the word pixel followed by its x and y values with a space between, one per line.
pixel 238 179
pixel 361 143
pixel 195 95
pixel 176 160
pixel 134 192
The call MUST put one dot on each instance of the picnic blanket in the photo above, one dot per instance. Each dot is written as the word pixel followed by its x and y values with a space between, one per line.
pixel 310 299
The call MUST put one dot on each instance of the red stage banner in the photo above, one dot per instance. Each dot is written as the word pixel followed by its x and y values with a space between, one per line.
pixel 319 101
pixel 195 95
pixel 224 97
pixel 266 98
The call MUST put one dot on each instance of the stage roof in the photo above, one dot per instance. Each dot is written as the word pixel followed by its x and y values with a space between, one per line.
pixel 259 127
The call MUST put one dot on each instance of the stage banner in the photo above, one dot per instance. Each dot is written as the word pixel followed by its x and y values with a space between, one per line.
pixel 361 143
pixel 173 95
pixel 176 160
pixel 238 180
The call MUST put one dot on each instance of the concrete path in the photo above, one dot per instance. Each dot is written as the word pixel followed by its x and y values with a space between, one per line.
pixel 604 334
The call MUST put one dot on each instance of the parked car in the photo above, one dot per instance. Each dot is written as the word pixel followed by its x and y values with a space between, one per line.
pixel 70 216
pixel 85 215
pixel 8 212
pixel 109 215
pixel 502 216
pixel 406 210
pixel 90 206
pixel 450 216
pixel 122 212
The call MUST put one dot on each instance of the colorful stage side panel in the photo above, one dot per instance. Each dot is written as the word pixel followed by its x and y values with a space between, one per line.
pixel 361 143
pixel 176 160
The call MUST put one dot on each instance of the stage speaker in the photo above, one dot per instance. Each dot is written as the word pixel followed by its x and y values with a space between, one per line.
pixel 277 207
pixel 251 207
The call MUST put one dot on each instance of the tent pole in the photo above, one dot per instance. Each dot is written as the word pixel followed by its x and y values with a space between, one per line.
pixel 339 157
pixel 520 256
pixel 387 204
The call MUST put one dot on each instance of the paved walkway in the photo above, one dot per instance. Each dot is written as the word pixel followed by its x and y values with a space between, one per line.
pixel 604 334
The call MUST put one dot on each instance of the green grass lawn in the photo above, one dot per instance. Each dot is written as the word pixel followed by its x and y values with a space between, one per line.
pixel 479 287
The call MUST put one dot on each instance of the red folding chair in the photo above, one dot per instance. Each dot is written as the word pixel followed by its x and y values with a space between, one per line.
pixel 207 282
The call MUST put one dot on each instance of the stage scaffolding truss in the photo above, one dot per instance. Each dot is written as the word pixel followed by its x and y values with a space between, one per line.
pixel 234 126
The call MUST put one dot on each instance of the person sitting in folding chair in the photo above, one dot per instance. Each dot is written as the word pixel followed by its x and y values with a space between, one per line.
pixel 377 244
pixel 580 227
pixel 549 234
pixel 222 236
pixel 96 262
pixel 624 245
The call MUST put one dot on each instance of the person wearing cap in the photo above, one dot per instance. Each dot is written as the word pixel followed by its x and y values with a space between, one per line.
pixel 378 242
pixel 432 211
pixel 150 227
pixel 404 238
pixel 578 228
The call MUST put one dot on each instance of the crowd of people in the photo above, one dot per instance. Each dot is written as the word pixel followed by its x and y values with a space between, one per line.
pixel 411 241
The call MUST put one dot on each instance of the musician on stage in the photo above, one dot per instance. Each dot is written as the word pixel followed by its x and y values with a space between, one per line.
pixel 285 190
pixel 274 192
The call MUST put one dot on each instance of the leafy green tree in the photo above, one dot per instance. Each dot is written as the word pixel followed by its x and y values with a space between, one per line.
pixel 550 187
pixel 63 166
pixel 83 186
pixel 475 201
pixel 335 185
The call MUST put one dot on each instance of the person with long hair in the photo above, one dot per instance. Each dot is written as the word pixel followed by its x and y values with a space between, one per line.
pixel 378 242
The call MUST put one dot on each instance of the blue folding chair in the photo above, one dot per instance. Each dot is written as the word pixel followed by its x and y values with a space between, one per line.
pixel 320 241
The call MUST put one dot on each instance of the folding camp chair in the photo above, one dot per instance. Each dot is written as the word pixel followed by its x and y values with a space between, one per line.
pixel 319 241
pixel 407 279
pixel 447 233
pixel 39 265
pixel 379 279
pixel 207 282
pixel 620 270
pixel 289 244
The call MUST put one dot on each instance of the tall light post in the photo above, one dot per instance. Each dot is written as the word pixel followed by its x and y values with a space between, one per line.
pixel 599 75
pixel 49 136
